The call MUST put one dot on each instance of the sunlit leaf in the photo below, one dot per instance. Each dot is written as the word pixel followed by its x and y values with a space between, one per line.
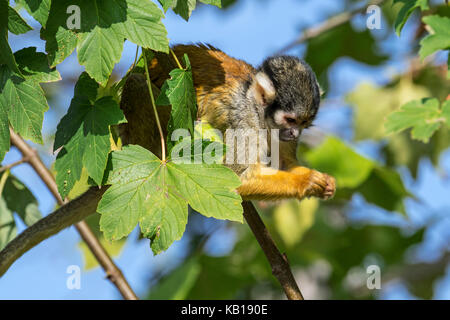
pixel 156 194
pixel 334 157
pixel 423 116
pixel 16 24
pixel 84 133
pixel 293 218
pixel 104 26
pixel 180 93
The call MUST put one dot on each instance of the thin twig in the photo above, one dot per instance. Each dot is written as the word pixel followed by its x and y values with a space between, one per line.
pixel 329 24
pixel 149 85
pixel 279 263
pixel 112 271
pixel 11 165
pixel 135 58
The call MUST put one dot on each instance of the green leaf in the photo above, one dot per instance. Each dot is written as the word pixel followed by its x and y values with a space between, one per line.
pixel 8 229
pixel 408 6
pixel 143 25
pixel 156 194
pixel 167 4
pixel 179 91
pixel 209 189
pixel 38 9
pixel 19 199
pixel 25 103
pixel 69 163
pixel 6 55
pixel 15 22
pixel 104 26
pixel 4 130
pixel 217 3
pixel 166 216
pixel 354 173
pixel 183 8
pixel 15 197
pixel 24 99
pixel 84 133
pixel 99 51
pixel 140 192
pixel 334 157
pixel 393 190
pixel 371 104
pixel 178 283
pixel 34 65
pixel 59 41
pixel 423 116
pixel 439 40
pixel 294 218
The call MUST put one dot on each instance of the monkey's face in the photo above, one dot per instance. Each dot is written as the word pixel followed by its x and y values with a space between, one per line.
pixel 297 96
pixel 289 122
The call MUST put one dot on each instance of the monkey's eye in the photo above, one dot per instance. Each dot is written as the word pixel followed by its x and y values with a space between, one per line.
pixel 290 120
pixel 305 124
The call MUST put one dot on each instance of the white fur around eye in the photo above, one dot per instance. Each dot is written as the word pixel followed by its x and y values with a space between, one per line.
pixel 279 116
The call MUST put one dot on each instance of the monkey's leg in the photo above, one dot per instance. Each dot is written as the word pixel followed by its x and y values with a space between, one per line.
pixel 299 182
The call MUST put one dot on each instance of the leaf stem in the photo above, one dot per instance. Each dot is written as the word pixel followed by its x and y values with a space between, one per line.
pixel 3 180
pixel 176 59
pixel 149 85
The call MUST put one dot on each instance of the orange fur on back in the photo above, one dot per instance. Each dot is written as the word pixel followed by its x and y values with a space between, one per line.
pixel 216 77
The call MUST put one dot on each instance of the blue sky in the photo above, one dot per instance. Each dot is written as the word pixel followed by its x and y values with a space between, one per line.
pixel 252 30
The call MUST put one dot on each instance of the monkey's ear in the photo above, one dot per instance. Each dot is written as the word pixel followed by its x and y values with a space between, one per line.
pixel 263 89
pixel 321 91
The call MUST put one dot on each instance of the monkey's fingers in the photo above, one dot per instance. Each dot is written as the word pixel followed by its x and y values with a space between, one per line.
pixel 320 185
pixel 330 189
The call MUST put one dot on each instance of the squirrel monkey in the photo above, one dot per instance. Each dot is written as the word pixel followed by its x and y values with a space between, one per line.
pixel 282 93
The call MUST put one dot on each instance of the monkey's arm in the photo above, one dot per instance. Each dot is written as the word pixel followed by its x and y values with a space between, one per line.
pixel 262 183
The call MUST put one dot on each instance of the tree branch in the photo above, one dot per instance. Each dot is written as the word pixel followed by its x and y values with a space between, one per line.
pixel 329 24
pixel 54 223
pixel 65 216
pixel 279 263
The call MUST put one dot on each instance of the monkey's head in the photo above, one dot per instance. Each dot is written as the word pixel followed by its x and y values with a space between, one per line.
pixel 288 89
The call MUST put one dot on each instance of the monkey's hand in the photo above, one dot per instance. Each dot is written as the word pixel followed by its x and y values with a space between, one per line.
pixel 299 182
pixel 312 183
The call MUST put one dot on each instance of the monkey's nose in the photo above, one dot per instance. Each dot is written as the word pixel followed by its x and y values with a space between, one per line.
pixel 294 132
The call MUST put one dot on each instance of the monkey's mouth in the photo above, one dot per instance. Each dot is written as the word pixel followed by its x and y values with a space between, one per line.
pixel 289 134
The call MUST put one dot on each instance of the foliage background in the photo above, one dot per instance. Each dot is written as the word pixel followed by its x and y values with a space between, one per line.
pixel 329 245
